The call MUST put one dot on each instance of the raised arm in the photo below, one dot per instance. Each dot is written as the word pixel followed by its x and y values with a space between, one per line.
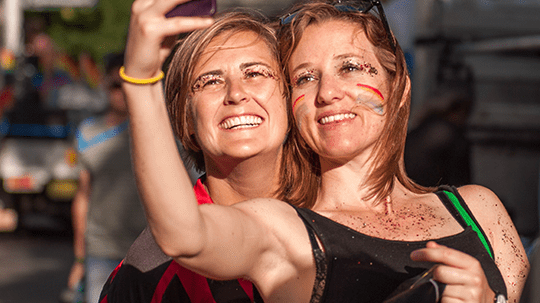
pixel 219 242
pixel 163 181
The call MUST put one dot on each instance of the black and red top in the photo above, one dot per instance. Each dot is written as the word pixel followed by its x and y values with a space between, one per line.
pixel 147 275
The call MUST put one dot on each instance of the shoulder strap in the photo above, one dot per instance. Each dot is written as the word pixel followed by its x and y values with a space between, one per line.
pixel 459 209
pixel 321 263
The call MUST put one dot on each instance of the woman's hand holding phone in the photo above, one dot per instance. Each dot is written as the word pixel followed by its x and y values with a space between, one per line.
pixel 152 35
pixel 463 275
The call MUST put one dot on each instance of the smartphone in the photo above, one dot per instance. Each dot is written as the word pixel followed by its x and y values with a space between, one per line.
pixel 421 288
pixel 194 8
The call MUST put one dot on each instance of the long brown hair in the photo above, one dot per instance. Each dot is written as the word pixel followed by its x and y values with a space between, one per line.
pixel 293 174
pixel 390 146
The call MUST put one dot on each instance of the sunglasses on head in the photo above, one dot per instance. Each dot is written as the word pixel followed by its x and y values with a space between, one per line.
pixel 363 6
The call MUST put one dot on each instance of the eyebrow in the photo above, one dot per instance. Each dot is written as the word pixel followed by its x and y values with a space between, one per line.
pixel 340 57
pixel 243 66
pixel 346 56
pixel 250 64
pixel 301 66
pixel 216 72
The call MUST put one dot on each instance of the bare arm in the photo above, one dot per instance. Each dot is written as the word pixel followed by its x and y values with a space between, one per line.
pixel 217 241
pixel 463 274
pixel 79 211
pixel 169 202
pixel 508 250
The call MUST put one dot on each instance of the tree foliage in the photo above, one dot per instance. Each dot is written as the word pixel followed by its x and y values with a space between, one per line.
pixel 99 30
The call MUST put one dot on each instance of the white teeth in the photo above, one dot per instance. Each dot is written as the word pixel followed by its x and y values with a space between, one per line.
pixel 337 117
pixel 241 122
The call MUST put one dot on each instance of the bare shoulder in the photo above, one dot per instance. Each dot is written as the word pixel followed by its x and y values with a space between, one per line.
pixel 482 201
pixel 489 211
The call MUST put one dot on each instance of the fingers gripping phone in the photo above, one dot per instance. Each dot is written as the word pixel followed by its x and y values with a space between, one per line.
pixel 194 8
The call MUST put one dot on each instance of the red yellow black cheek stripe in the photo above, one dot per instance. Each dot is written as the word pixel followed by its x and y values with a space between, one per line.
pixel 371 89
pixel 301 98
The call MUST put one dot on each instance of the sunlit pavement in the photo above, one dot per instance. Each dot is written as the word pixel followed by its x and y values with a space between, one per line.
pixel 34 266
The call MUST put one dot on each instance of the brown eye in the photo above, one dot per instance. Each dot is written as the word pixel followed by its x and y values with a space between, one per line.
pixel 349 67
pixel 253 74
pixel 259 71
pixel 205 81
pixel 304 78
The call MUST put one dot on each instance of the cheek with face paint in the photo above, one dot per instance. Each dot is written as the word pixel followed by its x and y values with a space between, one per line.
pixel 299 99
pixel 371 98
pixel 300 114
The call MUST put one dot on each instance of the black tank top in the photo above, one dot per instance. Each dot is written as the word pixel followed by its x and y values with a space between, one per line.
pixel 359 268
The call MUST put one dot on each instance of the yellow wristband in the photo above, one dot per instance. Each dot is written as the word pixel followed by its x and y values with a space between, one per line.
pixel 140 81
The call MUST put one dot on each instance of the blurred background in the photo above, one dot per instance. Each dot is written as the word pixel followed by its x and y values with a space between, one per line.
pixel 475 67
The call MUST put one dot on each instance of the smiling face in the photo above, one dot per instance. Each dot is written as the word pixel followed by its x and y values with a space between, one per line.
pixel 237 101
pixel 338 90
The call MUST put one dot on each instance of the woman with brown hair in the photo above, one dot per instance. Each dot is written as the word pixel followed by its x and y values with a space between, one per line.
pixel 243 155
pixel 351 98
pixel 370 227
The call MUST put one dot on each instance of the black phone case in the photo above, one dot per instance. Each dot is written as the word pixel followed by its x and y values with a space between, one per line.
pixel 420 289
pixel 194 8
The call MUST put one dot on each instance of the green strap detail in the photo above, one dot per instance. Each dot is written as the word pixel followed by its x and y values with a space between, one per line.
pixel 469 220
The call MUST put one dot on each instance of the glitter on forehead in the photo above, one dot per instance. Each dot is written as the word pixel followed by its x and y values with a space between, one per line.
pixel 301 98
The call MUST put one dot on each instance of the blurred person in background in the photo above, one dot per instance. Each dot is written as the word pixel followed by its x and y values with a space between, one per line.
pixel 54 69
pixel 47 69
pixel 107 214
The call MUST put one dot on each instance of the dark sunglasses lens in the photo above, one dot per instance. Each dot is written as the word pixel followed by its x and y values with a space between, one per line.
pixel 347 8
pixel 363 6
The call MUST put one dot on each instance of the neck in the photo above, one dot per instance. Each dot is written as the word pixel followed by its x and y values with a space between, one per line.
pixel 345 185
pixel 230 181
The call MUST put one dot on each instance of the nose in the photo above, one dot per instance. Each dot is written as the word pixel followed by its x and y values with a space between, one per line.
pixel 330 90
pixel 236 92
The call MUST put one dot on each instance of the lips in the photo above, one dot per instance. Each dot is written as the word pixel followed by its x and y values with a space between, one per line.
pixel 336 118
pixel 246 121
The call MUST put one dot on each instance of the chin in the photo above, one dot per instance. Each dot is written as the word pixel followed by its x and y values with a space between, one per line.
pixel 340 151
